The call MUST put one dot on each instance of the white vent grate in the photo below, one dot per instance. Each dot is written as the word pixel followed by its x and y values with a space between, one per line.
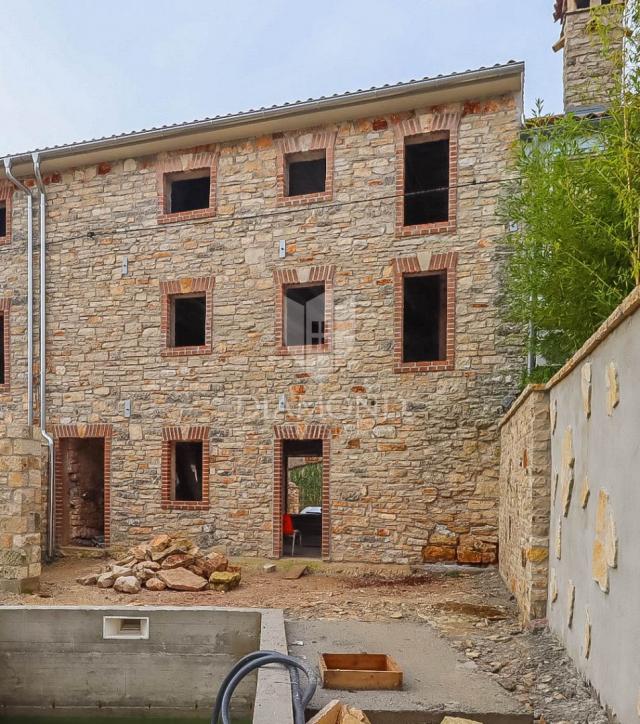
pixel 125 627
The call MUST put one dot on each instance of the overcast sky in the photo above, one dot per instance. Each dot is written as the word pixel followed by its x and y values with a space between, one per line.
pixel 78 69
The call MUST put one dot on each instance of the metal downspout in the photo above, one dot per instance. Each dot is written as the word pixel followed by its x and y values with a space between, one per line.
pixel 21 187
pixel 43 355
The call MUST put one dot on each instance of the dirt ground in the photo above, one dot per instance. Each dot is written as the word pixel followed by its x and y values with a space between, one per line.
pixel 469 607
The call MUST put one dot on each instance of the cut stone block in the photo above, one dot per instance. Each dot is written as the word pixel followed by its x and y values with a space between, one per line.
pixel 585 492
pixel 571 602
pixel 586 388
pixel 586 640
pixel 567 470
pixel 553 585
pixel 613 388
pixel 605 544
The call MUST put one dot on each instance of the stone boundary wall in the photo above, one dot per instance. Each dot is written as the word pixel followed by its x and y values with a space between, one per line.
pixel 20 508
pixel 524 501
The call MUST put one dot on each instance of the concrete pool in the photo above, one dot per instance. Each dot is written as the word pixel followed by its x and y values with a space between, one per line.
pixel 61 719
pixel 157 663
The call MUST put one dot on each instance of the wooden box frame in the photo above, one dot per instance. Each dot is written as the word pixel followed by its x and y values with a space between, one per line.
pixel 360 672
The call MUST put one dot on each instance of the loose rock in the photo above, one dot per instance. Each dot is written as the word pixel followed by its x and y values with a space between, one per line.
pixel 166 553
pixel 106 580
pixel 155 584
pixel 127 584
pixel 181 579
pixel 224 580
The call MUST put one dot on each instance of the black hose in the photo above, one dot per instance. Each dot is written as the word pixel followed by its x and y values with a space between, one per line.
pixel 299 702
pixel 217 709
pixel 256 660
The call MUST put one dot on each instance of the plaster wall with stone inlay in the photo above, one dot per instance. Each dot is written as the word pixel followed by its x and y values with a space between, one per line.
pixel 594 596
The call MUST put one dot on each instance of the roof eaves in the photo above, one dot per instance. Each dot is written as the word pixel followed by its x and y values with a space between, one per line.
pixel 273 112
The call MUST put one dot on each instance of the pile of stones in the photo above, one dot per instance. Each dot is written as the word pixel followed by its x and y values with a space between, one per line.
pixel 168 561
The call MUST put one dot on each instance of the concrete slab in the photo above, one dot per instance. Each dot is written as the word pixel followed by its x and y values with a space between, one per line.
pixel 437 681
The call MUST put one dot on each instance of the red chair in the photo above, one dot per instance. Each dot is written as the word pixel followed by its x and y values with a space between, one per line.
pixel 288 531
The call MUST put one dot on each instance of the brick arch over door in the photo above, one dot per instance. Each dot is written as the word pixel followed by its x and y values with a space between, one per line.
pixel 301 432
pixel 61 432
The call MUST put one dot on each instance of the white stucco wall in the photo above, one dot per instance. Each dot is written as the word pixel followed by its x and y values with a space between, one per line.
pixel 605 445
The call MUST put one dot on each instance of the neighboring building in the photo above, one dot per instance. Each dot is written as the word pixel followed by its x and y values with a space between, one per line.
pixel 319 280
pixel 589 72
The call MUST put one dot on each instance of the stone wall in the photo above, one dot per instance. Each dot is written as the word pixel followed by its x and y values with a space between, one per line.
pixel 588 69
pixel 21 508
pixel 594 582
pixel 414 455
pixel 524 501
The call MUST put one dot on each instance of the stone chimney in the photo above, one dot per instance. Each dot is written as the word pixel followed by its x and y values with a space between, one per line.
pixel 589 73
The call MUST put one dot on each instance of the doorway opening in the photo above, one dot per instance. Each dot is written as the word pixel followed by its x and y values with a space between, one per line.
pixel 81 482
pixel 302 498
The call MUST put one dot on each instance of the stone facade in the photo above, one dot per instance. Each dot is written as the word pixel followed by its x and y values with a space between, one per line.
pixel 21 508
pixel 525 483
pixel 588 74
pixel 412 468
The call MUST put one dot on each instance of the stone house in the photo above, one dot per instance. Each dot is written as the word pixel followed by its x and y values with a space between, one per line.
pixel 319 280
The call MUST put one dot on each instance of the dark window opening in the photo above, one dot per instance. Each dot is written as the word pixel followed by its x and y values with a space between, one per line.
pixel 189 315
pixel 2 360
pixel 189 194
pixel 3 219
pixel 424 331
pixel 307 174
pixel 187 471
pixel 583 4
pixel 305 316
pixel 426 182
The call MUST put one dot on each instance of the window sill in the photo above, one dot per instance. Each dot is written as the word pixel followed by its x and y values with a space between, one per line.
pixel 186 351
pixel 305 199
pixel 185 505
pixel 6 239
pixel 432 366
pixel 439 227
pixel 182 216
pixel 304 349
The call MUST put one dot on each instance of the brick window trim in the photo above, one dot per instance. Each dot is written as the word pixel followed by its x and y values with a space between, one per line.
pixel 5 313
pixel 301 432
pixel 60 432
pixel 176 433
pixel 288 144
pixel 6 197
pixel 188 286
pixel 298 277
pixel 419 129
pixel 424 263
pixel 196 160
